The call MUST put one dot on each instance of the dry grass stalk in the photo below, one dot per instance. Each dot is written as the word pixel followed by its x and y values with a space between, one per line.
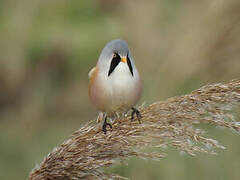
pixel 167 123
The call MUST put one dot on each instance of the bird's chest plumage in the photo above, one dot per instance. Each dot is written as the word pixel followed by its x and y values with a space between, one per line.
pixel 121 83
pixel 119 89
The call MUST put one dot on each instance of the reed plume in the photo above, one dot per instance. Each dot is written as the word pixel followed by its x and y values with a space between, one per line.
pixel 167 123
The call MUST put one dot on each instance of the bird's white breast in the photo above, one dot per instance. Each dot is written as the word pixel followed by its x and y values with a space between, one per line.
pixel 121 90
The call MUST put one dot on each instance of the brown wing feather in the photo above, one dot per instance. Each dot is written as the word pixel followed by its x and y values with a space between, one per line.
pixel 91 72
pixel 92 77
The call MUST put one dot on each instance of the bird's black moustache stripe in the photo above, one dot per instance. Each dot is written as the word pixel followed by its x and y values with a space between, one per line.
pixel 129 65
pixel 116 60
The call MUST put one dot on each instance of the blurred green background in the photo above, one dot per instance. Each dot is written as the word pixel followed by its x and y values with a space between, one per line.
pixel 48 47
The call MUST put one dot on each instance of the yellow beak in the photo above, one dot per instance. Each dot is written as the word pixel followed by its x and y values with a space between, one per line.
pixel 124 59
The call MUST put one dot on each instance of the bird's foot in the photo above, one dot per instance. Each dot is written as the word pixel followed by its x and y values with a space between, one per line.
pixel 138 114
pixel 105 124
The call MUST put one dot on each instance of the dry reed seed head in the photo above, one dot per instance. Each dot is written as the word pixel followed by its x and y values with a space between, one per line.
pixel 164 124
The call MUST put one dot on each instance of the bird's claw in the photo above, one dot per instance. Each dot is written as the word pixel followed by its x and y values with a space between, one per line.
pixel 105 124
pixel 138 114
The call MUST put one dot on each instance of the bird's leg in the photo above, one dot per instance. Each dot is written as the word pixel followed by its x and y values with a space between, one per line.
pixel 100 117
pixel 105 124
pixel 138 114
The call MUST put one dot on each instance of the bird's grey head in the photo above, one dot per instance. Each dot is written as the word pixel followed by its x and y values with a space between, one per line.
pixel 114 48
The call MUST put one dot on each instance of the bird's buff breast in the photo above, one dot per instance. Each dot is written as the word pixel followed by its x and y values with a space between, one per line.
pixel 115 93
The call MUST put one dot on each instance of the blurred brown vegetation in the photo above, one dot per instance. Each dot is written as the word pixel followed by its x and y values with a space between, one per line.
pixel 48 47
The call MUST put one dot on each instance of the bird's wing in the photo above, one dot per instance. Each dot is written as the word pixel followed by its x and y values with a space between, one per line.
pixel 91 72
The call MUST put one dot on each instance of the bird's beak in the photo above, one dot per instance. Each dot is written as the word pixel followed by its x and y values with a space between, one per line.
pixel 124 59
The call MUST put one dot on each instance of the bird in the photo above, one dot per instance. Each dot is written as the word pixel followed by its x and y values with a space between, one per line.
pixel 115 85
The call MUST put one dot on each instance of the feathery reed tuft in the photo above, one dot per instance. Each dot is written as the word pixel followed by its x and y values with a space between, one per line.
pixel 167 123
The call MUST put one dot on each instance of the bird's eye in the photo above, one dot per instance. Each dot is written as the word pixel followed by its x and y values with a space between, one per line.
pixel 114 55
